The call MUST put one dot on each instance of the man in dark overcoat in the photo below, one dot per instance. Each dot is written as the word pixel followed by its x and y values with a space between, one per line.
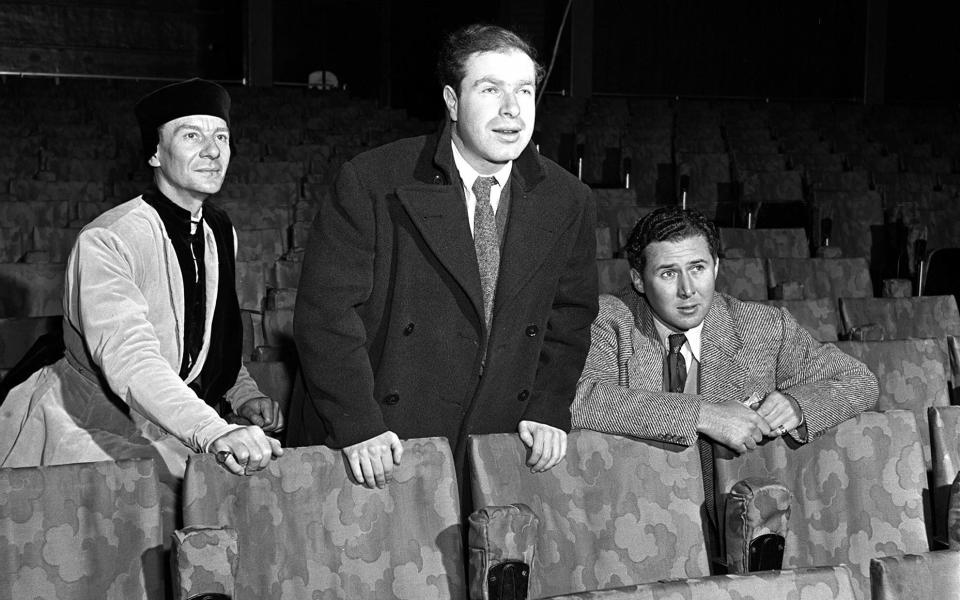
pixel 449 284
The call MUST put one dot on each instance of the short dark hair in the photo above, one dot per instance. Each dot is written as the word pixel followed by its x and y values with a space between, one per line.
pixel 459 45
pixel 669 224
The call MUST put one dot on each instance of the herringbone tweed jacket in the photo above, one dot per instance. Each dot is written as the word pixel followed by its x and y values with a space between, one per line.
pixel 746 347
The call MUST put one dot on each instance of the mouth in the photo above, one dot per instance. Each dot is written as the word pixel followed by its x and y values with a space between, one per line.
pixel 508 132
pixel 688 309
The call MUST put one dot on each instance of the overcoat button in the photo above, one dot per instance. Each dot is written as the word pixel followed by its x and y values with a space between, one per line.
pixel 391 399
pixel 532 330
pixel 523 395
pixel 408 329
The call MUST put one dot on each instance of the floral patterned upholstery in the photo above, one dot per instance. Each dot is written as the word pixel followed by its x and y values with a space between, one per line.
pixel 858 491
pixel 926 575
pixel 616 511
pixel 823 277
pixel 305 530
pixel 204 561
pixel 899 318
pixel 755 507
pixel 913 375
pixel 815 583
pixel 945 453
pixel 743 278
pixel 81 531
pixel 499 535
pixel 738 242
pixel 819 316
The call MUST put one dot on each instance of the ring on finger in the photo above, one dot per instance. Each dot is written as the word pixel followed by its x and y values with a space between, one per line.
pixel 222 456
pixel 781 430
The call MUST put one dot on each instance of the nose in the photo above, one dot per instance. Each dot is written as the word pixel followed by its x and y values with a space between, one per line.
pixel 509 107
pixel 684 286
pixel 211 149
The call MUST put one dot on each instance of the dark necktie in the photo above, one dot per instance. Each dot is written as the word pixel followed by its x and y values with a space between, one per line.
pixel 487 243
pixel 676 365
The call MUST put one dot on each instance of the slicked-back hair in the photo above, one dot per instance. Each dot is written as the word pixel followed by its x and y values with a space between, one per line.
pixel 669 224
pixel 459 45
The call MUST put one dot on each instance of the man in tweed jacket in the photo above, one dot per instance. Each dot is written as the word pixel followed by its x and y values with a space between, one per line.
pixel 752 370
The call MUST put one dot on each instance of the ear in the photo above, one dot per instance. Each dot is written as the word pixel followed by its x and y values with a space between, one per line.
pixel 154 161
pixel 450 99
pixel 716 266
pixel 637 280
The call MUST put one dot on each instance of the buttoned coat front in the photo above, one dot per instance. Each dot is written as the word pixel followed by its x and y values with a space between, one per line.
pixel 389 318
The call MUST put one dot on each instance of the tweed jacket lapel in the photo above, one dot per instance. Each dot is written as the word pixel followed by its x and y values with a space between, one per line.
pixel 724 372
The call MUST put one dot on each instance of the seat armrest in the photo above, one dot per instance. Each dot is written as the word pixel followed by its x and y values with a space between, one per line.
pixel 502 541
pixel 204 561
pixel 757 516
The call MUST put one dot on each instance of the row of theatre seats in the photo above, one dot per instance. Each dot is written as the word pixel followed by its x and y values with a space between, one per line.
pixel 841 517
pixel 864 510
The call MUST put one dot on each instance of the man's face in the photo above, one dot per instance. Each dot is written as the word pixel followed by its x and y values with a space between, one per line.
pixel 678 281
pixel 493 113
pixel 192 156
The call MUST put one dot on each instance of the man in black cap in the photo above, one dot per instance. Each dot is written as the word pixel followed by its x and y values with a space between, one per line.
pixel 152 329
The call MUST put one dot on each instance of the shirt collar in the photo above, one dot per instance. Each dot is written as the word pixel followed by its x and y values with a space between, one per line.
pixel 468 174
pixel 693 336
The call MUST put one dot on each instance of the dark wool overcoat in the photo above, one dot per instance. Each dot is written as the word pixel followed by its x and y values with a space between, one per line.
pixel 389 318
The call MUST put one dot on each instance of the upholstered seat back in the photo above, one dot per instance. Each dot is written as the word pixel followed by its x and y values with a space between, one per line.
pixel 304 528
pixel 81 531
pixel 616 511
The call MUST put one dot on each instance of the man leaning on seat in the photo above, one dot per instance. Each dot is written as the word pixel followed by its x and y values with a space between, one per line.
pixel 151 320
pixel 672 360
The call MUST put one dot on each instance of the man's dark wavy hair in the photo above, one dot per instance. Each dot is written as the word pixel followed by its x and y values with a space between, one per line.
pixel 459 45
pixel 669 224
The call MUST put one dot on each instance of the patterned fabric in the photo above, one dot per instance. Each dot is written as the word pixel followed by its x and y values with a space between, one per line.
pixel 854 216
pixel 745 348
pixel 927 575
pixel 304 528
pixel 858 491
pixel 764 243
pixel 913 375
pixel 616 511
pixel 819 316
pixel 899 318
pixel 81 531
pixel 204 561
pixel 487 243
pixel 824 277
pixel 499 534
pixel 953 515
pixel 783 186
pixel 818 583
pixel 743 278
pixel 945 454
pixel 755 507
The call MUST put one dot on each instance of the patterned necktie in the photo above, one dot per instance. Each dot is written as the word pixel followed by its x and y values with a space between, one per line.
pixel 487 243
pixel 676 365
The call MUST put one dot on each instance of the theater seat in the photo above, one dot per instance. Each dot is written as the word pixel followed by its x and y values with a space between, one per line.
pixel 899 318
pixel 814 583
pixel 737 242
pixel 81 531
pixel 924 575
pixel 616 511
pixel 304 529
pixel 823 277
pixel 858 491
pixel 743 278
pixel 819 316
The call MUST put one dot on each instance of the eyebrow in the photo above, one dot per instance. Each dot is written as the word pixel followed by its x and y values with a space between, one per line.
pixel 183 126
pixel 496 81
pixel 673 265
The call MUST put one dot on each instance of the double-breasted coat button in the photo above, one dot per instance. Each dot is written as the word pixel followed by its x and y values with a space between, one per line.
pixel 408 329
pixel 437 180
pixel 532 330
pixel 523 395
pixel 391 399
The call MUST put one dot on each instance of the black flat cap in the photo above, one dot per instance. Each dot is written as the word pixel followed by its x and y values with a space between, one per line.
pixel 190 97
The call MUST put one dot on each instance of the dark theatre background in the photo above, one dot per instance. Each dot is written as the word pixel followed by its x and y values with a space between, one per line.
pixel 823 136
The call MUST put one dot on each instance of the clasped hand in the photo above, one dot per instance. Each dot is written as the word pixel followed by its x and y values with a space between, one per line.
pixel 741 428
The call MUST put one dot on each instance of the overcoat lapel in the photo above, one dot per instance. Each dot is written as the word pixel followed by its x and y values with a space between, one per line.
pixel 440 215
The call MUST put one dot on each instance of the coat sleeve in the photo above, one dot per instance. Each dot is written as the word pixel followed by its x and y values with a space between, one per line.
pixel 335 283
pixel 829 385
pixel 607 402
pixel 567 338
pixel 111 316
